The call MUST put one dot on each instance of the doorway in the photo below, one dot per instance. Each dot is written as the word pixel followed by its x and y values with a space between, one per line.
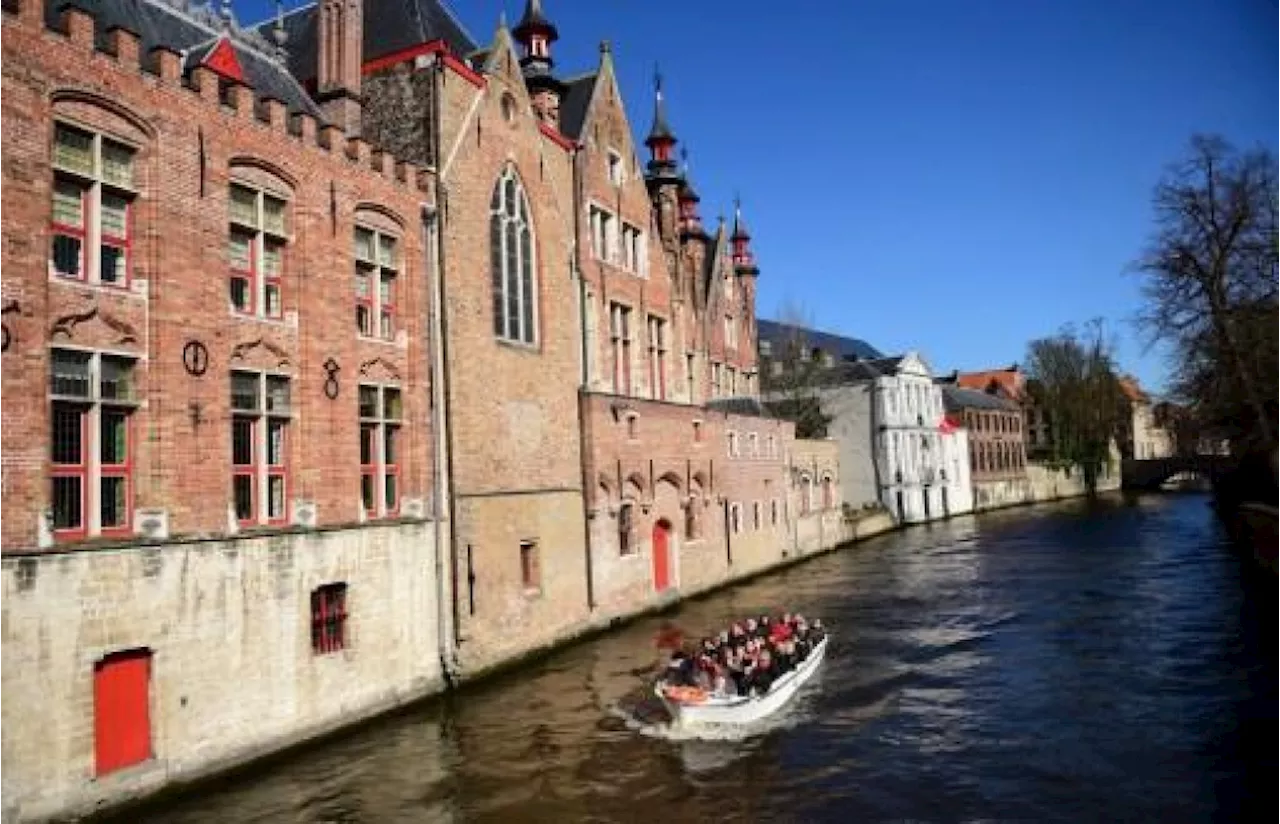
pixel 661 555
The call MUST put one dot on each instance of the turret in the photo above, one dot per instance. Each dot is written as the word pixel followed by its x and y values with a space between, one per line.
pixel 535 33
pixel 744 262
pixel 688 199
pixel 661 141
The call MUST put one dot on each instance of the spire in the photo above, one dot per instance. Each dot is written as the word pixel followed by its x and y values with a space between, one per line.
pixel 687 191
pixel 744 262
pixel 536 33
pixel 533 21
pixel 279 35
pixel 661 140
pixel 740 231
pixel 690 221
pixel 661 130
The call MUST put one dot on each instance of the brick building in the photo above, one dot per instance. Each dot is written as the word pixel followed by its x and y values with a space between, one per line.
pixel 343 356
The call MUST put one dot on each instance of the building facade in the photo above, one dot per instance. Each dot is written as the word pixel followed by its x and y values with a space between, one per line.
pixel 1143 437
pixel 997 453
pixel 346 357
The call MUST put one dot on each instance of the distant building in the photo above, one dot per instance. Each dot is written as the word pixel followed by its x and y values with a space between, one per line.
pixel 886 414
pixel 1142 437
pixel 997 453
pixel 1011 384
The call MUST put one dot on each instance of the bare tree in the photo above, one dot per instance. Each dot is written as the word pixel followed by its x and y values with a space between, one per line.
pixel 793 373
pixel 1075 379
pixel 1210 273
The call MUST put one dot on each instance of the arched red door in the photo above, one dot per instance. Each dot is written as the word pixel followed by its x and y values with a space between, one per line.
pixel 661 555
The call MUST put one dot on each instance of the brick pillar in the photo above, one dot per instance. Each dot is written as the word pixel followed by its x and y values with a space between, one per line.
pixel 341 35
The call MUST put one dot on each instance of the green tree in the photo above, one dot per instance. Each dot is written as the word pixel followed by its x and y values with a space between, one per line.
pixel 791 375
pixel 1073 376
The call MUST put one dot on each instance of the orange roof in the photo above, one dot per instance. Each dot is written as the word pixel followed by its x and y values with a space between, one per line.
pixel 1010 381
pixel 1129 386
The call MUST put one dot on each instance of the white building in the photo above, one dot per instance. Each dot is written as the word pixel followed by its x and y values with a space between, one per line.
pixel 895 446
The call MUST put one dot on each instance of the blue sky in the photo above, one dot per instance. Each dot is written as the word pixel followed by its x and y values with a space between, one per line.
pixel 956 176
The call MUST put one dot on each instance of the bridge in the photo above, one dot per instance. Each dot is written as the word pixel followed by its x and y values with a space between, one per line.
pixel 1150 473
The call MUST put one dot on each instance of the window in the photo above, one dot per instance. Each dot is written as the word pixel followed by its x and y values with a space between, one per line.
pixel 256 251
pixel 730 332
pixel 511 256
pixel 633 257
pixel 691 525
pixel 381 416
pixel 620 343
pixel 91 231
pixel 626 544
pixel 697 431
pixel 689 377
pixel 91 483
pixel 753 445
pixel 735 517
pixel 616 172
pixel 633 427
pixel 260 411
pixel 755 515
pixel 715 380
pixel 530 569
pixel 377 267
pixel 766 348
pixel 828 494
pixel 733 444
pixel 773 512
pixel 733 380
pixel 602 234
pixel 329 619
pixel 657 358
pixel 806 495
pixel 771 447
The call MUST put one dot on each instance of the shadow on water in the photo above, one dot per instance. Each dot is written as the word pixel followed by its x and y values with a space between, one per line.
pixel 1105 660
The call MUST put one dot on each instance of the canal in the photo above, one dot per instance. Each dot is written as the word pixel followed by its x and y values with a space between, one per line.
pixel 1072 662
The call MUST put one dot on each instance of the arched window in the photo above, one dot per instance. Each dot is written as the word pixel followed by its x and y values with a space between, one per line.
pixel 511 260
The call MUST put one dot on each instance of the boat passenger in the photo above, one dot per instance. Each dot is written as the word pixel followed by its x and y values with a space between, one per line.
pixel 817 632
pixel 679 670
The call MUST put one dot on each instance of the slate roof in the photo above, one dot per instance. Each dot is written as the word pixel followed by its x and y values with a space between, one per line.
pixel 574 102
pixel 840 347
pixel 956 398
pixel 389 26
pixel 192 31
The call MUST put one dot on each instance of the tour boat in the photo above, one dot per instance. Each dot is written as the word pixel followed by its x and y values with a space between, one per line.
pixel 693 707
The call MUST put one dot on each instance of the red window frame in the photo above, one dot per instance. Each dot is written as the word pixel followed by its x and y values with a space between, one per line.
pixel 77 470
pixel 250 275
pixel 390 469
pixel 125 244
pixel 329 619
pixel 123 471
pixel 277 470
pixel 369 471
pixel 269 282
pixel 249 470
pixel 80 232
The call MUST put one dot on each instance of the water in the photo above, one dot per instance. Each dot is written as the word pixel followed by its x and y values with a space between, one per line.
pixel 1077 662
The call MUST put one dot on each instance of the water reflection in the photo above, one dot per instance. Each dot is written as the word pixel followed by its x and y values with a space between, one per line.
pixel 1076 662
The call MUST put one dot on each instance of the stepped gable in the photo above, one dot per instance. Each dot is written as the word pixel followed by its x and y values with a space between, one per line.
pixel 194 30
pixel 390 26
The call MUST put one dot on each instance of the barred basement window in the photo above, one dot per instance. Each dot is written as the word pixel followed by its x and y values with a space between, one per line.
pixel 625 538
pixel 377 267
pixel 329 619
pixel 511 256
pixel 260 414
pixel 91 231
pixel 381 416
pixel 91 477
pixel 255 251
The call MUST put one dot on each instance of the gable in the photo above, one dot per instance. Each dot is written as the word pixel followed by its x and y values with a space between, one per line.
pixel 222 59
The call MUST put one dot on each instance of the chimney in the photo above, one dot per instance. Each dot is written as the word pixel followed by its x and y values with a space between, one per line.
pixel 338 75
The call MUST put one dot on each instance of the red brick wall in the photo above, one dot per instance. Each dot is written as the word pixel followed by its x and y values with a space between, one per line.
pixel 994 433
pixel 179 283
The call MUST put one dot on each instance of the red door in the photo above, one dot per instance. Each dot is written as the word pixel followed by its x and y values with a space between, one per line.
pixel 661 556
pixel 121 710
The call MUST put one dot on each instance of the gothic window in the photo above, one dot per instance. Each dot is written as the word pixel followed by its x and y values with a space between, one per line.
pixel 511 260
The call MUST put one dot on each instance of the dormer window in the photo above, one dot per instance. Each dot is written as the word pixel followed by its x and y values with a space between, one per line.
pixel 616 171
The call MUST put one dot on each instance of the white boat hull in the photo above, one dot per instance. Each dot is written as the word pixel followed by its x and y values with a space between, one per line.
pixel 742 709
